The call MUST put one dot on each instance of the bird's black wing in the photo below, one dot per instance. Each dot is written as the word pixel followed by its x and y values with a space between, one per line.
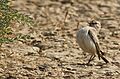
pixel 92 36
pixel 94 39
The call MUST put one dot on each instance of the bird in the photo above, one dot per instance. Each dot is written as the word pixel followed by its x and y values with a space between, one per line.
pixel 88 41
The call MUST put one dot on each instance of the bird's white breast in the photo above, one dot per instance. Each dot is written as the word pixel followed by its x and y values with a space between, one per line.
pixel 84 41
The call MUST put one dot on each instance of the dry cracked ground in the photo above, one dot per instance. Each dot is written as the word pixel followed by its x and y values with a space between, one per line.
pixel 50 50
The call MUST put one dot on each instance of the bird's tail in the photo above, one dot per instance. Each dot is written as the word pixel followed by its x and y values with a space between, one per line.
pixel 101 55
pixel 104 59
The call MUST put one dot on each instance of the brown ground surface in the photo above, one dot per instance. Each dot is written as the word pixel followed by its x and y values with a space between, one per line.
pixel 52 52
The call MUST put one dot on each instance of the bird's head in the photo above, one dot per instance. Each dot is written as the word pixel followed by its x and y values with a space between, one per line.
pixel 95 24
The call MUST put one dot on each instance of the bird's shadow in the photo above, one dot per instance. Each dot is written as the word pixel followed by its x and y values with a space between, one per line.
pixel 89 64
pixel 85 64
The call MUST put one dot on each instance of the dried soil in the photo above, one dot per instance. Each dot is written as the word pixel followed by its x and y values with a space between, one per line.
pixel 52 51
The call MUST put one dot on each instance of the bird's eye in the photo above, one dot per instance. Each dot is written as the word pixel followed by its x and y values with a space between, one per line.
pixel 94 23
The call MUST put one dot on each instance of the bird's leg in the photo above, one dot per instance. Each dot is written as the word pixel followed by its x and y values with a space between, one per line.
pixel 91 58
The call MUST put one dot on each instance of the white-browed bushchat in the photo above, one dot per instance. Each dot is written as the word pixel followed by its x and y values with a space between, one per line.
pixel 87 40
